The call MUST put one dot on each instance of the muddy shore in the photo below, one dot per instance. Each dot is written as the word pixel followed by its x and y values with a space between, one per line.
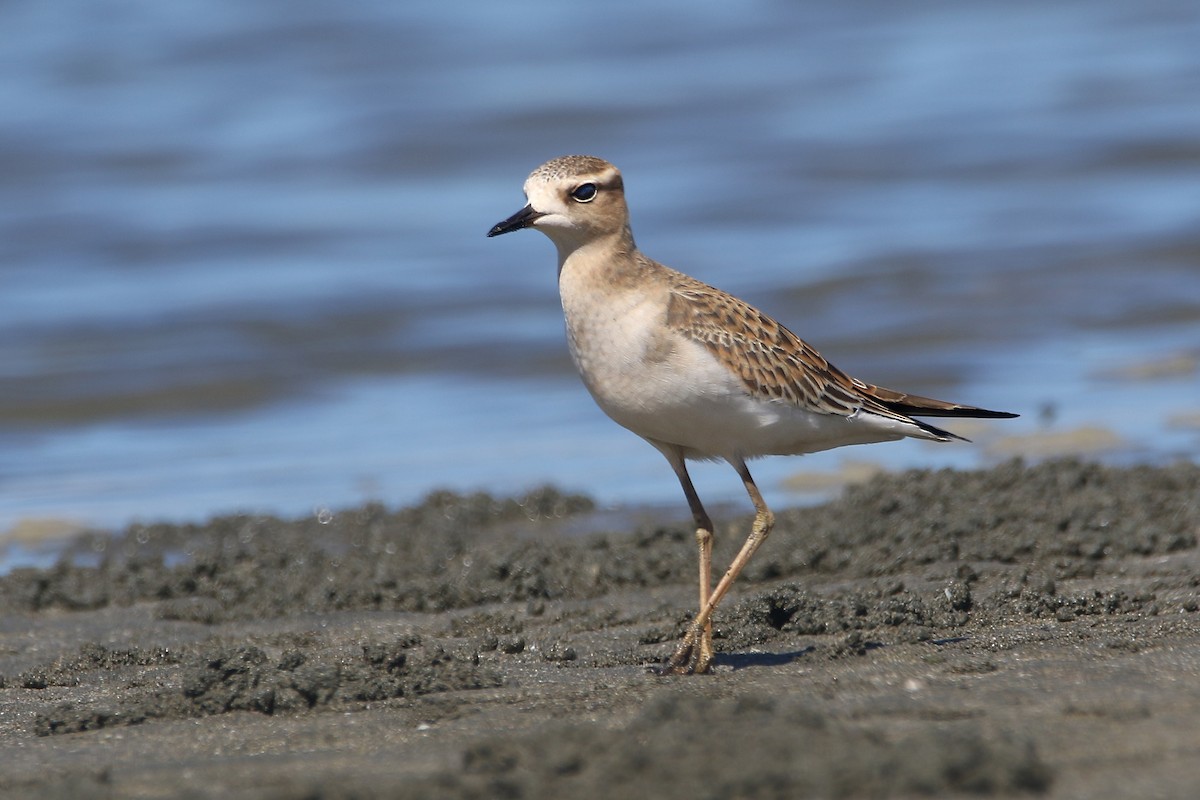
pixel 1014 631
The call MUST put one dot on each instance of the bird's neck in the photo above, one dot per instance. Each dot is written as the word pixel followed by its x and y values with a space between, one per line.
pixel 610 252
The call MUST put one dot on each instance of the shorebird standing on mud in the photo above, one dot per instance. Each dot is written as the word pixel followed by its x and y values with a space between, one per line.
pixel 694 371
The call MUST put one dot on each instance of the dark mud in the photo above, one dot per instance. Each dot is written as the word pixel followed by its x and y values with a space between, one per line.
pixel 1030 631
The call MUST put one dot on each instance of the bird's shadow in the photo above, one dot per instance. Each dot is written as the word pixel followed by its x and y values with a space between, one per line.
pixel 738 661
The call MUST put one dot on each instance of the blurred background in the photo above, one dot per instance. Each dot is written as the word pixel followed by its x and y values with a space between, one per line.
pixel 243 263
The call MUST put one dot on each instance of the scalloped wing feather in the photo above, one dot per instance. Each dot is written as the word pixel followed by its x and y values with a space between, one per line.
pixel 775 364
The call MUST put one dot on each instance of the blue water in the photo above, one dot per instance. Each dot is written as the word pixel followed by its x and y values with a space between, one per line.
pixel 243 264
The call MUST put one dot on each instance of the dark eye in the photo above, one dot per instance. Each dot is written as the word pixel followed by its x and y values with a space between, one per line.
pixel 584 192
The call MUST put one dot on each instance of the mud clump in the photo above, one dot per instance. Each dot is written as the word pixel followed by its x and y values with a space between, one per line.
pixel 251 567
pixel 244 678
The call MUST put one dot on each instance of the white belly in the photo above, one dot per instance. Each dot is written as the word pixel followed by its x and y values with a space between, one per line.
pixel 671 389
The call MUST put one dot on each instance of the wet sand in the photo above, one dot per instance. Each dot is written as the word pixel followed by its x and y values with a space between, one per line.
pixel 1020 630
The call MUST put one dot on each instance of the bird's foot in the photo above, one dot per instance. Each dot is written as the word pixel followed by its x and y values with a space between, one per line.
pixel 694 656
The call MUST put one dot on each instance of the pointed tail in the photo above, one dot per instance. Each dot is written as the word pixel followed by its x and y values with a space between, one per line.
pixel 912 405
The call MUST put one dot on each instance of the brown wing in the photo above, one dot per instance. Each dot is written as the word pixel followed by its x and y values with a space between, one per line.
pixel 772 362
pixel 776 364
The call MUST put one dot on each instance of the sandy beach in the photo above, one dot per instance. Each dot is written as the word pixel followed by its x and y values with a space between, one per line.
pixel 1025 630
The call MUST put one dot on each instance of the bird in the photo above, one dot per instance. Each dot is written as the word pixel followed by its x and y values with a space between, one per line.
pixel 695 371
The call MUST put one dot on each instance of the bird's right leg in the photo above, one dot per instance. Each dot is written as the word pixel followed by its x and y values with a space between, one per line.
pixel 704 540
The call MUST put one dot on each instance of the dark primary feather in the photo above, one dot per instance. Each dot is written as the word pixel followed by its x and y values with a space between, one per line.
pixel 917 406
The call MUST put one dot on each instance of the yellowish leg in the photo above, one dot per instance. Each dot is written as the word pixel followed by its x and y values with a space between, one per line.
pixel 691 656
pixel 704 539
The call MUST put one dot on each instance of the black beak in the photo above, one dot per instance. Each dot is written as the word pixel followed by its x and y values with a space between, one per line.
pixel 522 219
